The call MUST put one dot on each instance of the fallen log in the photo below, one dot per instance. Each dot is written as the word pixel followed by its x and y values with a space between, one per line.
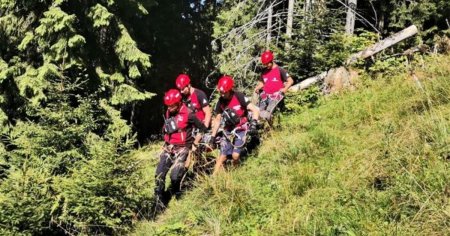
pixel 308 82
pixel 370 51
pixel 383 44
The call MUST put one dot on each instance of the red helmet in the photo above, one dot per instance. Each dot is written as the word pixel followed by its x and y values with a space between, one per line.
pixel 266 57
pixel 171 97
pixel 225 84
pixel 182 81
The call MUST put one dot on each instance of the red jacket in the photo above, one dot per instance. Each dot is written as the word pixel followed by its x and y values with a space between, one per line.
pixel 196 101
pixel 185 121
pixel 274 79
pixel 238 103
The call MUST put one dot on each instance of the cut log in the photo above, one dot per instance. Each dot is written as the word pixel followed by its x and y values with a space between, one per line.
pixel 339 79
pixel 383 44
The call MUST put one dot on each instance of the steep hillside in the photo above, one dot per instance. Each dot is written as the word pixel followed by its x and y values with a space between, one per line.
pixel 371 161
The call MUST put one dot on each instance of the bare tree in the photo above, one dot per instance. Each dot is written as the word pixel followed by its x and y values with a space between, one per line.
pixel 350 24
pixel 289 21
pixel 307 8
pixel 269 26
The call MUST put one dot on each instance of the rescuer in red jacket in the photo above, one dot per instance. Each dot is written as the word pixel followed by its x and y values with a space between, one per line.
pixel 232 111
pixel 194 98
pixel 274 83
pixel 178 125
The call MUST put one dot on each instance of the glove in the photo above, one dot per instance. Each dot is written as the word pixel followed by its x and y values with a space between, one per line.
pixel 253 127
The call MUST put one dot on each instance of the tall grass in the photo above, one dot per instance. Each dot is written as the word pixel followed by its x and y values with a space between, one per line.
pixel 374 161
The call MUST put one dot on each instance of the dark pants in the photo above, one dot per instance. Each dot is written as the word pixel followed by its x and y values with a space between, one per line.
pixel 172 156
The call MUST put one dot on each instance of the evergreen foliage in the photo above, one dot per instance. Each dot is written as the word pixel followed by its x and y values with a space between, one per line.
pixel 71 70
pixel 429 16
pixel 318 43
pixel 66 68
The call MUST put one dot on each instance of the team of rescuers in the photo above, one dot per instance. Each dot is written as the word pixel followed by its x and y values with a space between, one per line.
pixel 189 115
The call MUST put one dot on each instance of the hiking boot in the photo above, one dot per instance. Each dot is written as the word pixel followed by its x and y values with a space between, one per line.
pixel 158 206
pixel 175 191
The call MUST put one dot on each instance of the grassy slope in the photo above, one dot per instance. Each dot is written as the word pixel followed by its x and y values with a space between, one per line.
pixel 371 161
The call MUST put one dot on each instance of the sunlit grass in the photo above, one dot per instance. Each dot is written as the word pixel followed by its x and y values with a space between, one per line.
pixel 374 161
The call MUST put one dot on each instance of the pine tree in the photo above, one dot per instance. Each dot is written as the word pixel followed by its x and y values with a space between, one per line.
pixel 66 69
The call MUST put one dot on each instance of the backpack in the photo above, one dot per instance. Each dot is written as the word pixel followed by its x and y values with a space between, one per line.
pixel 230 118
pixel 170 125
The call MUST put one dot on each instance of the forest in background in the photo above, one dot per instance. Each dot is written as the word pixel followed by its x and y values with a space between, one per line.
pixel 81 84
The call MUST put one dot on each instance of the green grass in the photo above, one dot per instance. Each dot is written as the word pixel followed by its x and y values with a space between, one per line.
pixel 374 161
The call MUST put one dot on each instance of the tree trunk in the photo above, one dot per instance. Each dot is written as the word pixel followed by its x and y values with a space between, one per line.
pixel 307 6
pixel 350 24
pixel 269 26
pixel 289 21
pixel 381 23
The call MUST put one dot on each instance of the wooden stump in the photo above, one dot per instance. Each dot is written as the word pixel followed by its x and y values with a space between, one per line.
pixel 339 79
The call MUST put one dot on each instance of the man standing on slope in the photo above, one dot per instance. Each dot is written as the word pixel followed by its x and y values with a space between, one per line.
pixel 232 109
pixel 178 125
pixel 274 82
pixel 194 98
